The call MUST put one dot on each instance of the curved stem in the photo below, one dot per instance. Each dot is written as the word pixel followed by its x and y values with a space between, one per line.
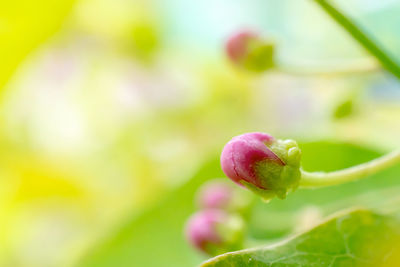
pixel 355 31
pixel 321 179
pixel 329 71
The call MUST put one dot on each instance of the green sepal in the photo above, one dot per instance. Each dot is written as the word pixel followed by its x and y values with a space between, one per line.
pixel 231 233
pixel 260 55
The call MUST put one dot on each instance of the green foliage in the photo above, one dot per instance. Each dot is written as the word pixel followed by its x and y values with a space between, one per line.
pixel 359 238
pixel 145 40
pixel 344 109
pixel 155 238
pixel 260 56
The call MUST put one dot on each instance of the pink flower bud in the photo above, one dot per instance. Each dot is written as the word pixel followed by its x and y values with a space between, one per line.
pixel 215 195
pixel 215 231
pixel 249 51
pixel 263 164
pixel 237 45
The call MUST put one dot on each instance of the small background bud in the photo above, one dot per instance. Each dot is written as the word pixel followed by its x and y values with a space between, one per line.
pixel 215 231
pixel 249 51
pixel 220 194
pixel 216 194
pixel 237 45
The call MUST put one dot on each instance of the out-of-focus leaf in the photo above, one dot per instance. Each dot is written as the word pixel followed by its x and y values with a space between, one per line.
pixel 156 239
pixel 145 40
pixel 359 238
pixel 24 25
pixel 344 109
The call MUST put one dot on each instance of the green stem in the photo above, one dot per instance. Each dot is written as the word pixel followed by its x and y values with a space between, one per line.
pixel 322 179
pixel 355 31
pixel 330 71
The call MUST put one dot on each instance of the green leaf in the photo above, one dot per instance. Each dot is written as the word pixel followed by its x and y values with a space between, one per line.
pixel 155 238
pixel 344 109
pixel 358 238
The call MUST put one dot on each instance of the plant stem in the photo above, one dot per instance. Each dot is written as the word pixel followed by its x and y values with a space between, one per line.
pixel 330 71
pixel 355 31
pixel 321 179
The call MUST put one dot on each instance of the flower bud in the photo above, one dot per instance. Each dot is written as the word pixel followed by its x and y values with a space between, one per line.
pixel 219 194
pixel 249 51
pixel 265 165
pixel 215 231
pixel 215 195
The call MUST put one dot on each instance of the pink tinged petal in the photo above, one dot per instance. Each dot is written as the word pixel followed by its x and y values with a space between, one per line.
pixel 242 153
pixel 202 228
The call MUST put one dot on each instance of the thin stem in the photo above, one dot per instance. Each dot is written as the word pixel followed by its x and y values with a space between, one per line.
pixel 322 179
pixel 355 31
pixel 329 71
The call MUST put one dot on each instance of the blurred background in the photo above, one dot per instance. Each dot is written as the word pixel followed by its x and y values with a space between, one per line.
pixel 113 112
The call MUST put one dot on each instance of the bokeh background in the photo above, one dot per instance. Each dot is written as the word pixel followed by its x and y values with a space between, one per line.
pixel 113 112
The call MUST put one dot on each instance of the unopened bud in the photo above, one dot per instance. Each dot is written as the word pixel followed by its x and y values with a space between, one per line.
pixel 215 231
pixel 249 51
pixel 265 165
pixel 215 195
pixel 220 194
